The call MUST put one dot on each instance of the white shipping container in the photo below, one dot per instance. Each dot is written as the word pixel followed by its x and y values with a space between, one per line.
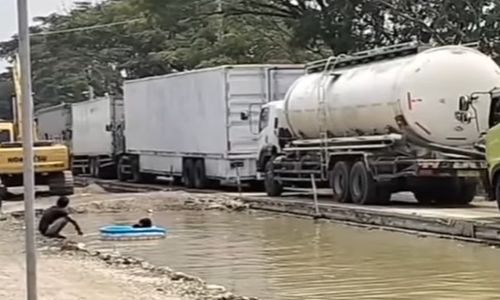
pixel 54 123
pixel 89 122
pixel 198 114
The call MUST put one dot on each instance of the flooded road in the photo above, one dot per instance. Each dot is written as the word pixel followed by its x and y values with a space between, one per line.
pixel 277 257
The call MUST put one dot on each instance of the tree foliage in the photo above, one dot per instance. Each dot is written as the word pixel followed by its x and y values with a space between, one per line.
pixel 151 37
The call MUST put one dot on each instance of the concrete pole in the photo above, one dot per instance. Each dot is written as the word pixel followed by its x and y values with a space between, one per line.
pixel 221 20
pixel 27 129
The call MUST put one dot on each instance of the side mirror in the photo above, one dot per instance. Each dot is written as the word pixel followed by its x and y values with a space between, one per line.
pixel 244 116
pixel 464 103
pixel 108 127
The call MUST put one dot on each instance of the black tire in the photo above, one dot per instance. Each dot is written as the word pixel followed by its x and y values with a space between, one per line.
pixel 339 182
pixel 200 176
pixel 362 187
pixel 273 187
pixel 460 191
pixel 188 173
pixel 467 191
pixel 496 189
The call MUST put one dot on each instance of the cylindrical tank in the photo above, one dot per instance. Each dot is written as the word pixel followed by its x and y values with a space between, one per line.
pixel 423 88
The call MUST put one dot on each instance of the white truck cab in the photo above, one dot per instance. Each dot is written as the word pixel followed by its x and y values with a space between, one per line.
pixel 273 132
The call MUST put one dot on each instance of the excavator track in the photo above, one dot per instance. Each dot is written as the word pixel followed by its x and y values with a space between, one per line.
pixel 62 184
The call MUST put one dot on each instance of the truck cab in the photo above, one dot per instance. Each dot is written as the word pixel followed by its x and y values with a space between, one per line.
pixel 492 145
pixel 273 133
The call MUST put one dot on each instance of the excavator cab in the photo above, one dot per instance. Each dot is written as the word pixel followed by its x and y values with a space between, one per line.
pixel 6 132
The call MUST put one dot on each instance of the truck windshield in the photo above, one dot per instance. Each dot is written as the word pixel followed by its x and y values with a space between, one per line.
pixel 494 112
pixel 264 118
pixel 4 136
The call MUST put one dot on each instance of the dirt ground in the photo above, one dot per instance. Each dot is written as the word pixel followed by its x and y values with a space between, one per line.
pixel 71 278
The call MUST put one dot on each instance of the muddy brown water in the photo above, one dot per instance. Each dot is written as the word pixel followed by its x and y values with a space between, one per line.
pixel 276 257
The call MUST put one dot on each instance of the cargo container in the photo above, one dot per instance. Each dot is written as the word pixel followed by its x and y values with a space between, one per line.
pixel 92 130
pixel 188 125
pixel 54 123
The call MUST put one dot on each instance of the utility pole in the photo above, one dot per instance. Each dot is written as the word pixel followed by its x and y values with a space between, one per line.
pixel 221 20
pixel 27 129
pixel 88 73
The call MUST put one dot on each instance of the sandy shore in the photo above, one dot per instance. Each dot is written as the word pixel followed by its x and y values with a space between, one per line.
pixel 70 277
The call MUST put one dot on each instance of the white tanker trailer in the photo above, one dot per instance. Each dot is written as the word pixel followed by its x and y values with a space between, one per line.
pixel 400 118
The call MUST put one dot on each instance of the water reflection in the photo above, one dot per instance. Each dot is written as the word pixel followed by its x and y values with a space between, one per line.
pixel 280 257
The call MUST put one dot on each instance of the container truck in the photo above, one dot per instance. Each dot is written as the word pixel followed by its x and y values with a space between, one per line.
pixel 188 126
pixel 400 118
pixel 97 136
pixel 92 129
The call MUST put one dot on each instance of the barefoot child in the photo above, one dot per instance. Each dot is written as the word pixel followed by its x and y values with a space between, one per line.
pixel 55 218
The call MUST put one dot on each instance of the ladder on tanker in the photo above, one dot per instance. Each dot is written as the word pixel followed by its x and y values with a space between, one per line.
pixel 372 55
pixel 322 111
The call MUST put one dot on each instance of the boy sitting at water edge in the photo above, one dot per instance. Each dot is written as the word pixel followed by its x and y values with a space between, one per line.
pixel 55 218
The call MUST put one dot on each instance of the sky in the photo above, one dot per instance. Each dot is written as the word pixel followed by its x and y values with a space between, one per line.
pixel 8 15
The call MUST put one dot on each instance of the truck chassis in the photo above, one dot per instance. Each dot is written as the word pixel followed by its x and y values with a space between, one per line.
pixel 368 169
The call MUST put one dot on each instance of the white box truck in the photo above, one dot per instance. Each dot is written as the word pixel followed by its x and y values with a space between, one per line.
pixel 189 125
pixel 93 131
pixel 97 137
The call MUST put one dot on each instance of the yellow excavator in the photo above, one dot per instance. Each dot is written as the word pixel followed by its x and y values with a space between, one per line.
pixel 52 159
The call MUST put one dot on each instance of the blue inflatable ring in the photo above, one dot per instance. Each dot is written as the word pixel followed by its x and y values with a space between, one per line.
pixel 127 232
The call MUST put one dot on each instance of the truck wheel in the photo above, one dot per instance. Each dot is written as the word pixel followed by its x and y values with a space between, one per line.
pixel 497 191
pixel 339 182
pixel 273 187
pixel 200 177
pixel 188 173
pixel 362 187
pixel 467 191
pixel 459 191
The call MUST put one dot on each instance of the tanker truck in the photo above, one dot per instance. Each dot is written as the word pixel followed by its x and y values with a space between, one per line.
pixel 401 118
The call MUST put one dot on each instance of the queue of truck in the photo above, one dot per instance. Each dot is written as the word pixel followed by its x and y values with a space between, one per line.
pixel 367 125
